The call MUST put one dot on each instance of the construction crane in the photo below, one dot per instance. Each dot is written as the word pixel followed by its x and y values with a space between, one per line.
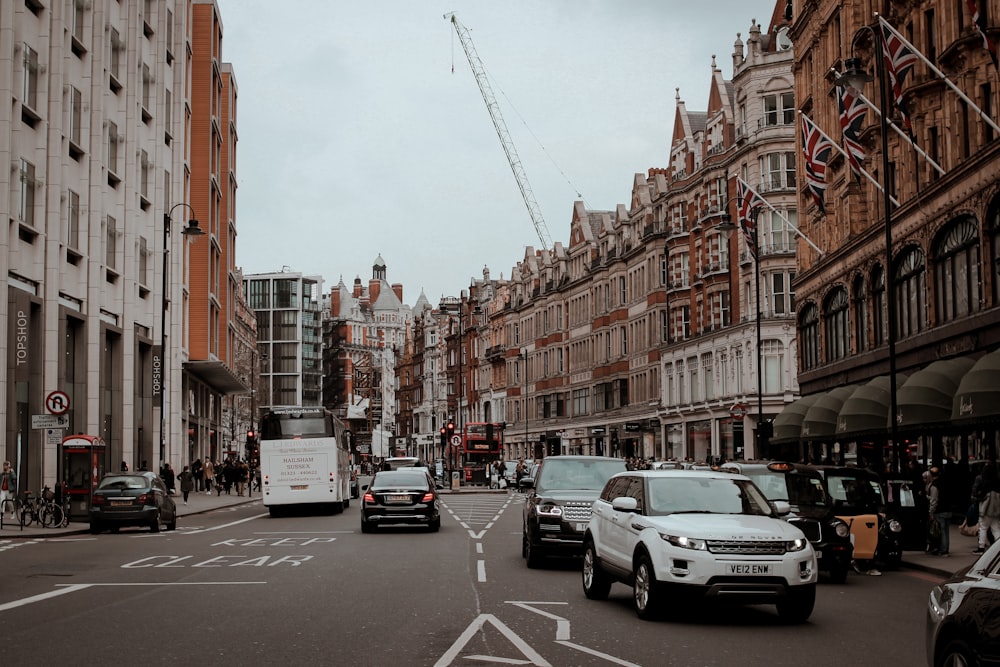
pixel 501 127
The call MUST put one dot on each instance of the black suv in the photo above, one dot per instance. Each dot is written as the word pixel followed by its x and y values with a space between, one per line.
pixel 812 511
pixel 561 492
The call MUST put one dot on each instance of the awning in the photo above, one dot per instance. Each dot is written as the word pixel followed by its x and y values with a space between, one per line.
pixel 926 398
pixel 217 376
pixel 788 423
pixel 820 422
pixel 866 411
pixel 978 395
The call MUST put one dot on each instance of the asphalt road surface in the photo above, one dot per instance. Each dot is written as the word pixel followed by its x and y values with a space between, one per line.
pixel 236 587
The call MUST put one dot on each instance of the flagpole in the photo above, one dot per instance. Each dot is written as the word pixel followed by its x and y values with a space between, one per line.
pixel 781 215
pixel 844 153
pixel 939 73
pixel 871 105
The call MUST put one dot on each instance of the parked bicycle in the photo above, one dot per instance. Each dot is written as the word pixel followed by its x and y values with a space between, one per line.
pixel 44 511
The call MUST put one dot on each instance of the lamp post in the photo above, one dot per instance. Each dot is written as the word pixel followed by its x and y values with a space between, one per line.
pixel 191 230
pixel 855 76
pixel 726 227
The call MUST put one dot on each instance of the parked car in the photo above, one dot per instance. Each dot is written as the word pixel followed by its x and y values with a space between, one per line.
pixel 859 500
pixel 962 614
pixel 812 510
pixel 705 533
pixel 407 496
pixel 131 499
pixel 557 507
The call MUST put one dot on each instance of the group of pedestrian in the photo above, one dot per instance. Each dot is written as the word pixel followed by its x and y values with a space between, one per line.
pixel 232 474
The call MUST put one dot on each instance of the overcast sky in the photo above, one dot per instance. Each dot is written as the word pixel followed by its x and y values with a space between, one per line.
pixel 362 131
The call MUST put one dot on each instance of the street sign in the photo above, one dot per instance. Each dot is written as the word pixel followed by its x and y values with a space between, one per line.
pixel 738 412
pixel 456 440
pixel 49 421
pixel 57 402
pixel 53 437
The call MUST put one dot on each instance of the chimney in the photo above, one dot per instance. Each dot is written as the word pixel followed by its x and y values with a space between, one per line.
pixel 397 289
pixel 374 287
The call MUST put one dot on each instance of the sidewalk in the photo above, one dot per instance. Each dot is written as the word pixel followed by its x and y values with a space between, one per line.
pixel 197 504
pixel 960 555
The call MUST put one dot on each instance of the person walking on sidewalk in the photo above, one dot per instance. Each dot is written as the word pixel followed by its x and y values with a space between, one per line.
pixel 187 482
pixel 208 472
pixel 987 491
pixel 939 512
pixel 8 486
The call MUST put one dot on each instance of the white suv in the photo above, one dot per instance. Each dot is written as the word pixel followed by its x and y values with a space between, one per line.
pixel 709 533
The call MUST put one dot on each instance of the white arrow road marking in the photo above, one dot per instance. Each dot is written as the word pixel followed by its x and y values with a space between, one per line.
pixel 563 632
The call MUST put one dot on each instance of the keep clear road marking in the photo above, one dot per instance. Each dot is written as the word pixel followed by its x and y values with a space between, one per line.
pixel 63 589
pixel 532 657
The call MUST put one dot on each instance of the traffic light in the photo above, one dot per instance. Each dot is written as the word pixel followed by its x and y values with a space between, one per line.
pixel 251 438
pixel 444 437
pixel 489 432
pixel 451 430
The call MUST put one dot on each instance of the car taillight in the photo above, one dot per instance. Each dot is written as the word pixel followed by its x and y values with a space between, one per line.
pixel 369 497
pixel 428 497
pixel 147 499
pixel 98 500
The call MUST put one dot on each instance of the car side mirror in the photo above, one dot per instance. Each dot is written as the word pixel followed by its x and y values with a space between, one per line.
pixel 625 504
pixel 781 507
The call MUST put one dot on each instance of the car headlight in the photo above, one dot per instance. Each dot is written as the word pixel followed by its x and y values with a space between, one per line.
pixel 841 528
pixel 937 604
pixel 895 526
pixel 548 509
pixel 685 542
pixel 796 545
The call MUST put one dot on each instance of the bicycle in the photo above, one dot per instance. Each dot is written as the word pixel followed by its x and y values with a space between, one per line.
pixel 44 511
pixel 11 507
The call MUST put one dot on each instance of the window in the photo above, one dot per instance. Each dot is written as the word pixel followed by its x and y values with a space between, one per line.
pixel 720 315
pixel 144 176
pixel 911 293
pixel 144 264
pixel 170 36
pixel 779 109
pixel 777 171
pixel 772 356
pixel 859 306
pixel 837 325
pixel 581 402
pixel 956 275
pixel 147 93
pixel 809 337
pixel 76 27
pixel 29 90
pixel 879 328
pixel 285 325
pixel 111 243
pixel 708 372
pixel 73 220
pixel 624 341
pixel 113 141
pixel 26 205
pixel 114 61
pixel 286 293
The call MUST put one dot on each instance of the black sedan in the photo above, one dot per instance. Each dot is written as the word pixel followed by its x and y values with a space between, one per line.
pixel 131 499
pixel 963 615
pixel 406 496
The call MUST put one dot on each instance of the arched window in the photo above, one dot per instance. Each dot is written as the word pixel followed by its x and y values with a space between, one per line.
pixel 993 224
pixel 911 292
pixel 809 336
pixel 836 325
pixel 879 330
pixel 859 304
pixel 956 270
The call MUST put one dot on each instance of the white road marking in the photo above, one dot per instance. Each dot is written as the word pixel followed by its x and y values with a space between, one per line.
pixel 62 589
pixel 479 547
pixel 533 658
pixel 226 525
pixel 563 632
pixel 481 570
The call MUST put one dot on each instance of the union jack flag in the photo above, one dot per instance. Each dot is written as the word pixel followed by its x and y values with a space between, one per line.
pixel 816 149
pixel 980 21
pixel 749 202
pixel 899 60
pixel 852 114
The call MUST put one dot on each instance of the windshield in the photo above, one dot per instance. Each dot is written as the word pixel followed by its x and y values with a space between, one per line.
pixel 796 488
pixel 576 474
pixel 855 491
pixel 672 495
pixel 395 479
pixel 123 482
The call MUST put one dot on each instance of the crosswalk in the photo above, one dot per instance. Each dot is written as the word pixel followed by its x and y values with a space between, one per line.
pixel 478 513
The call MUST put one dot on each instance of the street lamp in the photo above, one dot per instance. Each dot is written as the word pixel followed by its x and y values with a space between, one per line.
pixel 726 228
pixel 855 76
pixel 191 230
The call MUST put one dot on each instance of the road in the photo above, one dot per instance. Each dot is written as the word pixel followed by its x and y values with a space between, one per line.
pixel 238 586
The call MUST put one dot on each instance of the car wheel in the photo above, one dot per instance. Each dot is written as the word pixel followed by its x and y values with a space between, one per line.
pixel 154 526
pixel 172 524
pixel 596 582
pixel 798 604
pixel 524 545
pixel 956 654
pixel 644 589
pixel 366 527
pixel 115 529
pixel 347 503
pixel 838 573
pixel 435 524
pixel 95 528
pixel 534 554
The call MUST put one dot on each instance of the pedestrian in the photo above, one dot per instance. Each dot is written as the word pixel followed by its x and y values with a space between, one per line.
pixel 988 492
pixel 209 474
pixel 198 470
pixel 939 511
pixel 124 466
pixel 8 487
pixel 187 482
pixel 169 478
pixel 242 475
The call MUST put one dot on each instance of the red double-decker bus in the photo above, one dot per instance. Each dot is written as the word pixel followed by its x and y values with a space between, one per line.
pixel 482 444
